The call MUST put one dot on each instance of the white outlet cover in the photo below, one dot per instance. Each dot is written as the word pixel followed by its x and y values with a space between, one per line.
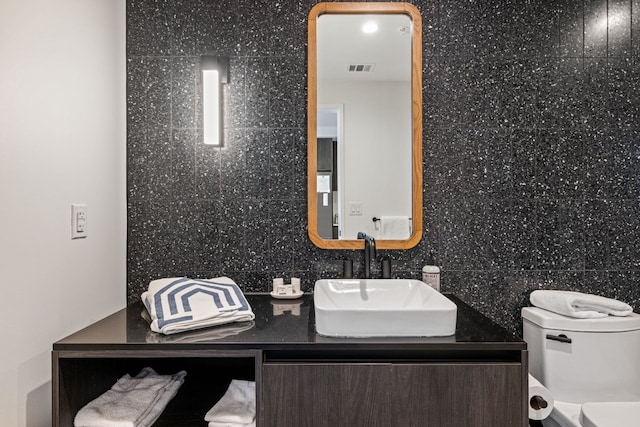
pixel 78 220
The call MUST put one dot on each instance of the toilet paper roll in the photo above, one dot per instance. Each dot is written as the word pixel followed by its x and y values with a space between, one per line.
pixel 540 400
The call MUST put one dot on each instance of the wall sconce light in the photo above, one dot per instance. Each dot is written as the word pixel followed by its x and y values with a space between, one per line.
pixel 215 73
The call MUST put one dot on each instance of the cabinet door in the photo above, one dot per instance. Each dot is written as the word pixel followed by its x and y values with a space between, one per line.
pixel 378 394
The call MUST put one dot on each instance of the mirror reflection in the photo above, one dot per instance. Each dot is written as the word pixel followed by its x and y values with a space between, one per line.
pixel 366 165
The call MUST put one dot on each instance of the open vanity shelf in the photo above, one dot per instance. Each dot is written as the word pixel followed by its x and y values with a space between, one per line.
pixel 82 376
pixel 477 377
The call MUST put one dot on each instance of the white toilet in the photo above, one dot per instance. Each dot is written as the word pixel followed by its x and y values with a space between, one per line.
pixel 590 366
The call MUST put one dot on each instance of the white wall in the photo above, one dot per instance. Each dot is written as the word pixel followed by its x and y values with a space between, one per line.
pixel 62 140
pixel 377 149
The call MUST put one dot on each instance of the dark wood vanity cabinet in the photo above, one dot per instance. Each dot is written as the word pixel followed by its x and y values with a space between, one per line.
pixel 476 378
pixel 390 394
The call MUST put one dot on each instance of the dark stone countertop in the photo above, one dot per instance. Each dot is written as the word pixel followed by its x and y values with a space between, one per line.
pixel 283 326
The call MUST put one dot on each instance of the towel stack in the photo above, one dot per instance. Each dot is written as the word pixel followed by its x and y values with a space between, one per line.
pixel 181 304
pixel 236 408
pixel 579 305
pixel 135 402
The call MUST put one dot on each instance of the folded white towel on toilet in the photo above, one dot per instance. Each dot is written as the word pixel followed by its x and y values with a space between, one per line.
pixel 579 305
pixel 236 407
pixel 180 304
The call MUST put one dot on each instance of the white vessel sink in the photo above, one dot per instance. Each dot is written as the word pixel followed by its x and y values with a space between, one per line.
pixel 382 308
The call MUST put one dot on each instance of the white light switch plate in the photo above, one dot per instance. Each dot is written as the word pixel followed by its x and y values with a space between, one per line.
pixel 355 208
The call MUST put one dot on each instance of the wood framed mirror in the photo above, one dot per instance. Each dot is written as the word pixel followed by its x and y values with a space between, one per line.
pixel 364 125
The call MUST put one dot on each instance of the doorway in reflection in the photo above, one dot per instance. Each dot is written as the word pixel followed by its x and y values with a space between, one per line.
pixel 329 172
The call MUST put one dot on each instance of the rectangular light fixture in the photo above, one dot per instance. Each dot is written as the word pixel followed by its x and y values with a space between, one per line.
pixel 214 74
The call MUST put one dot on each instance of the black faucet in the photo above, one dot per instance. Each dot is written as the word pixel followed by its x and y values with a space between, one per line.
pixel 369 248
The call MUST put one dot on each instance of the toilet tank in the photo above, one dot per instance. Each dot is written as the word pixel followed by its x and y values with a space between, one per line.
pixel 584 360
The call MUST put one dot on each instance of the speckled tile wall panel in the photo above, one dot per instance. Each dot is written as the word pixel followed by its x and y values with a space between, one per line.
pixel 570 28
pixel 531 148
pixel 635 27
pixel 595 28
pixel 618 28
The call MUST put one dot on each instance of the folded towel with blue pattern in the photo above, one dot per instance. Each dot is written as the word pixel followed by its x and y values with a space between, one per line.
pixel 579 305
pixel 180 304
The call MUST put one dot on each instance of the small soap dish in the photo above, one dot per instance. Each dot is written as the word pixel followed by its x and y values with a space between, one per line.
pixel 287 296
pixel 288 291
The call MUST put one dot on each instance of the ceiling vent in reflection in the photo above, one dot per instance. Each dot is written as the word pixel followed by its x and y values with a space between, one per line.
pixel 361 68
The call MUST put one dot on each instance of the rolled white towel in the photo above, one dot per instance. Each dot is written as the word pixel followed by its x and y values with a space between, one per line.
pixel 237 406
pixel 131 402
pixel 579 305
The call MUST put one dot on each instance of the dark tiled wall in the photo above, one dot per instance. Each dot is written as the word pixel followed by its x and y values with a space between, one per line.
pixel 531 148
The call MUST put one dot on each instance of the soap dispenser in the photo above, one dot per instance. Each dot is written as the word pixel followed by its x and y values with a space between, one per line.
pixel 431 273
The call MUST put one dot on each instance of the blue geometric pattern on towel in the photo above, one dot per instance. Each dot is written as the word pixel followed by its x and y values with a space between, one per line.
pixel 233 300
